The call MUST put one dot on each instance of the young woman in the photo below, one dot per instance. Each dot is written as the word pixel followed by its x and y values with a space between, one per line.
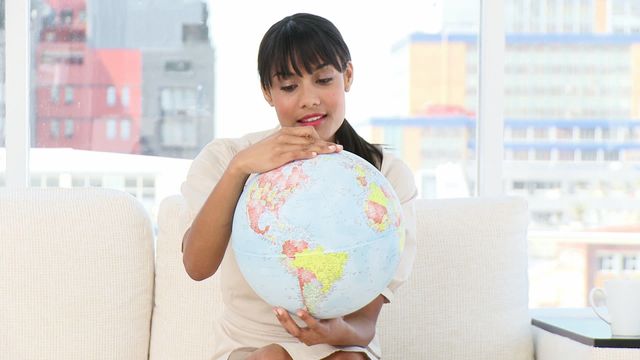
pixel 305 70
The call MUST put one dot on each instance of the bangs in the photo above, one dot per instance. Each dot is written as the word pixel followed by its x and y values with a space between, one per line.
pixel 294 48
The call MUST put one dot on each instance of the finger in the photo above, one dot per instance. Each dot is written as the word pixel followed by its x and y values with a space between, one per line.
pixel 325 147
pixel 312 323
pixel 297 155
pixel 295 139
pixel 308 131
pixel 287 322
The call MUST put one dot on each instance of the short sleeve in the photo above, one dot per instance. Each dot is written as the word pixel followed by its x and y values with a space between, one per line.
pixel 209 166
pixel 205 172
pixel 402 180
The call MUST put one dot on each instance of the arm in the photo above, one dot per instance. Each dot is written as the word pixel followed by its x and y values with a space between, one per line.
pixel 205 242
pixel 357 328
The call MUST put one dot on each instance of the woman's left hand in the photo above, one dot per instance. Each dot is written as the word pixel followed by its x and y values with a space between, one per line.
pixel 317 331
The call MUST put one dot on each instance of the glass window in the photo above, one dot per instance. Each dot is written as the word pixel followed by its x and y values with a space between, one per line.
pixel 54 130
pixel 111 130
pixel 55 94
pixel 68 128
pixel 68 94
pixel 607 262
pixel 91 74
pixel 111 95
pixel 631 263
pixel 583 95
pixel 125 129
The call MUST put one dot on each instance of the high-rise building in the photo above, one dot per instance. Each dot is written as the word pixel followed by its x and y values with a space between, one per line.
pixel 572 112
pixel 102 67
pixel 571 135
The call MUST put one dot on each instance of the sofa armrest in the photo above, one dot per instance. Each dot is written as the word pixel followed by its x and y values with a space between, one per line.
pixel 76 274
pixel 184 310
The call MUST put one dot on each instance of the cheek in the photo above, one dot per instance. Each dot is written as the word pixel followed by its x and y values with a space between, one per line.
pixel 283 108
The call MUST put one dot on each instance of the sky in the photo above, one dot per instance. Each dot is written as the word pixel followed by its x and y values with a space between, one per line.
pixel 370 29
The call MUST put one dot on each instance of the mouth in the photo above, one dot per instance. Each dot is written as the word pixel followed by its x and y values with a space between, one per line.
pixel 312 119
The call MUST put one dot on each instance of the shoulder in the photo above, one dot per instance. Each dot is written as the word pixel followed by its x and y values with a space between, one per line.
pixel 399 175
pixel 212 161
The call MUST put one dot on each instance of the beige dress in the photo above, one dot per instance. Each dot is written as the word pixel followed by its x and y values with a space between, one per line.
pixel 248 322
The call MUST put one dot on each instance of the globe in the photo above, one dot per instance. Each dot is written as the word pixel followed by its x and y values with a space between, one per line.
pixel 324 234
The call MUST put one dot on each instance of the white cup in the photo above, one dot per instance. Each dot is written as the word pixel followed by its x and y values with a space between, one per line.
pixel 622 299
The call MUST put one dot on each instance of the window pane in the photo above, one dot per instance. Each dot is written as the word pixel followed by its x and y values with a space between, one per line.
pixel 572 77
pixel 100 68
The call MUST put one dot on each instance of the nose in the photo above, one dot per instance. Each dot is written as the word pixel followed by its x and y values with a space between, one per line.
pixel 309 97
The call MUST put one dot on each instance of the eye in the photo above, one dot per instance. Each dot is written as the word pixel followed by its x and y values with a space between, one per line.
pixel 325 81
pixel 288 88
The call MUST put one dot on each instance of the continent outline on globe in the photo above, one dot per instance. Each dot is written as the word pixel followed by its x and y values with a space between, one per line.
pixel 344 233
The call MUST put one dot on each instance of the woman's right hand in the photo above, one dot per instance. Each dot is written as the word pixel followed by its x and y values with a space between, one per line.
pixel 286 145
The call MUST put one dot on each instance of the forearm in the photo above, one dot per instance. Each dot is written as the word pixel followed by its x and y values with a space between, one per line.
pixel 205 242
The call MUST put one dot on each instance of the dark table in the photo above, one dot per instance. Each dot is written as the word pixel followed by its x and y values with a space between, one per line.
pixel 581 325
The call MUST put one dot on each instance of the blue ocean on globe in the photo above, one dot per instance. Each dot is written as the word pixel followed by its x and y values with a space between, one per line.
pixel 325 234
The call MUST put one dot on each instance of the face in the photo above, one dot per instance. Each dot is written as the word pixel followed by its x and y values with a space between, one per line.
pixel 316 99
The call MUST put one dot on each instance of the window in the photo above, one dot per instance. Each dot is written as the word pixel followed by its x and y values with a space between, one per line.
pixel 125 129
pixel 68 94
pixel 564 133
pixel 607 262
pixel 111 95
pixel 588 133
pixel 631 262
pixel 111 129
pixel 177 66
pixel 54 129
pixel 69 128
pixel 578 94
pixel 55 94
pixel 566 155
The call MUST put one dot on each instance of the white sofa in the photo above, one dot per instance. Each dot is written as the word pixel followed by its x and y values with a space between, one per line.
pixel 78 281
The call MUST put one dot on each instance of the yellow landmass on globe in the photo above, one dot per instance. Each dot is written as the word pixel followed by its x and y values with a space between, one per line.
pixel 327 267
pixel 377 195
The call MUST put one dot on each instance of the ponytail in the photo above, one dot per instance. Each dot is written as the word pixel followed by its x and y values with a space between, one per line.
pixel 352 142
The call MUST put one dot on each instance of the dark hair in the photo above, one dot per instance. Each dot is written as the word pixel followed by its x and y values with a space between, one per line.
pixel 309 40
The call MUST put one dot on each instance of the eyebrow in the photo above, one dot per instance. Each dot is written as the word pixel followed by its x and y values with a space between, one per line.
pixel 286 75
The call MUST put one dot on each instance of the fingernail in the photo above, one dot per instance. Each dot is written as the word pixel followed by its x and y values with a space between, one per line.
pixel 314 153
pixel 332 147
pixel 340 147
pixel 299 313
pixel 275 311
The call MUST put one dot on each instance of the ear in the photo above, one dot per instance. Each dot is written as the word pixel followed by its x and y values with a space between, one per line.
pixel 348 76
pixel 267 96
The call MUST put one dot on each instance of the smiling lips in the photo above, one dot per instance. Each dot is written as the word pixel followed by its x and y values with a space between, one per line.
pixel 312 119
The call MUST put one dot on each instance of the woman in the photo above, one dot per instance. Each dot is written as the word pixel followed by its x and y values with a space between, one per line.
pixel 305 70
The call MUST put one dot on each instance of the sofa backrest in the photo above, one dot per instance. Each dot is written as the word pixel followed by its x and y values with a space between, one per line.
pixel 466 299
pixel 76 274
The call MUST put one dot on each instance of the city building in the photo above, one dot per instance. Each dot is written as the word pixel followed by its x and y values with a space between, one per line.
pixel 571 134
pixel 122 76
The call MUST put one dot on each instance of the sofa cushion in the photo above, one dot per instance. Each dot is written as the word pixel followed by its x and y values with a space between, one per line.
pixel 76 275
pixel 467 297
pixel 185 310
